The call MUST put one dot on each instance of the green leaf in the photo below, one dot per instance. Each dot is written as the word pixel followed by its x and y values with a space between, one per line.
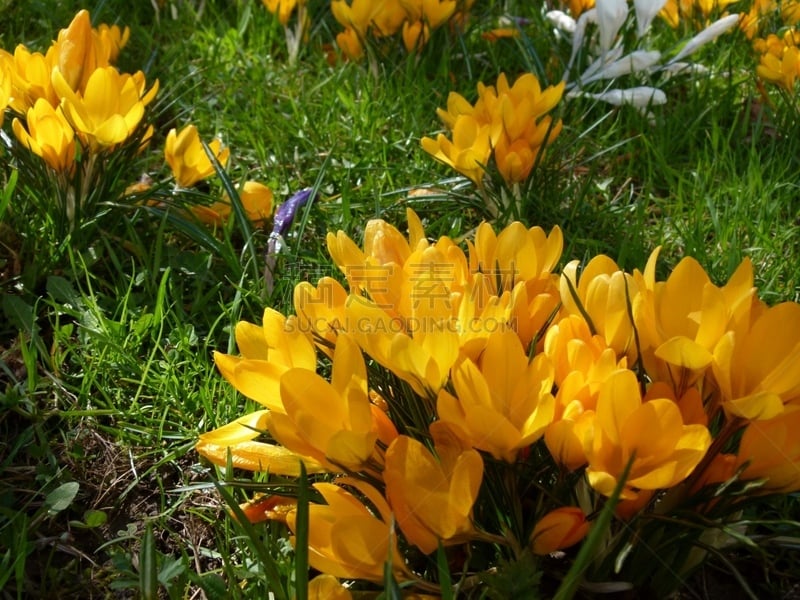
pixel 94 518
pixel 301 544
pixel 148 565
pixel 214 586
pixel 61 497
pixel 62 290
pixel 171 569
pixel 19 313
pixel 445 582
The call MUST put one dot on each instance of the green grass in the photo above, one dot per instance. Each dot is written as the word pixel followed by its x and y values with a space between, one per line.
pixel 106 368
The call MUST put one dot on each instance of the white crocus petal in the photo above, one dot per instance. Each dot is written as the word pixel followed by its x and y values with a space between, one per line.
pixel 590 16
pixel 561 20
pixel 637 61
pixel 708 34
pixel 683 68
pixel 646 10
pixel 611 14
pixel 601 63
pixel 640 97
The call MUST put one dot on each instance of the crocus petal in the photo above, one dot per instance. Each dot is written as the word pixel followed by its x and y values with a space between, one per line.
pixel 611 14
pixel 708 34
pixel 646 10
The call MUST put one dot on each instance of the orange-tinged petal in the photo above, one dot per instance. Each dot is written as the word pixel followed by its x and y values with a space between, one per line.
pixel 559 529
pixel 258 456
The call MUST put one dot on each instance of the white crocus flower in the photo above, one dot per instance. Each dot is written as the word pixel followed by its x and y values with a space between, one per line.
pixel 611 15
pixel 710 33
pixel 635 62
pixel 646 10
pixel 561 21
pixel 639 97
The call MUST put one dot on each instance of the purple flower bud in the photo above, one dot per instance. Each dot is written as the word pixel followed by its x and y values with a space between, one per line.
pixel 284 215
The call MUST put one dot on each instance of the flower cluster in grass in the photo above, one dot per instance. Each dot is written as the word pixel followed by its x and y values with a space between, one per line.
pixel 81 128
pixel 776 41
pixel 191 164
pixel 481 397
pixel 368 22
pixel 74 109
pixel 508 123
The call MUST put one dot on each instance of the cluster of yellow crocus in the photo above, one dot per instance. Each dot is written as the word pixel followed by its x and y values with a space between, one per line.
pixel 675 12
pixel 283 9
pixel 508 122
pixel 778 53
pixel 413 19
pixel 190 164
pixel 779 58
pixel 480 356
pixel 71 99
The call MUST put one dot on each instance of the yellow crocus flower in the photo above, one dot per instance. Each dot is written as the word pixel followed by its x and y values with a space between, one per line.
pixel 267 352
pixel 756 371
pixel 282 8
pixel 583 362
pixel 327 587
pixel 112 40
pixel 320 311
pixel 577 7
pixel 110 108
pixel 652 433
pixel 256 199
pixel 186 157
pixel 680 321
pixel 361 17
pixel 433 12
pixel 422 16
pixel 602 291
pixel 345 539
pixel 502 404
pixel 516 254
pixel 30 78
pixel 237 441
pixel 520 260
pixel 423 359
pixel 468 152
pixel 571 347
pixel 432 495
pixel 333 422
pixel 48 135
pixel 79 52
pixel 771 449
pixel 378 269
pixel 559 529
pixel 5 87
pixel 782 70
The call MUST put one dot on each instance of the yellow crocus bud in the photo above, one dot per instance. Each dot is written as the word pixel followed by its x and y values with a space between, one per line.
pixel 559 529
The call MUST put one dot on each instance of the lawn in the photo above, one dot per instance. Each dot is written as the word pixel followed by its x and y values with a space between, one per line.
pixel 545 272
